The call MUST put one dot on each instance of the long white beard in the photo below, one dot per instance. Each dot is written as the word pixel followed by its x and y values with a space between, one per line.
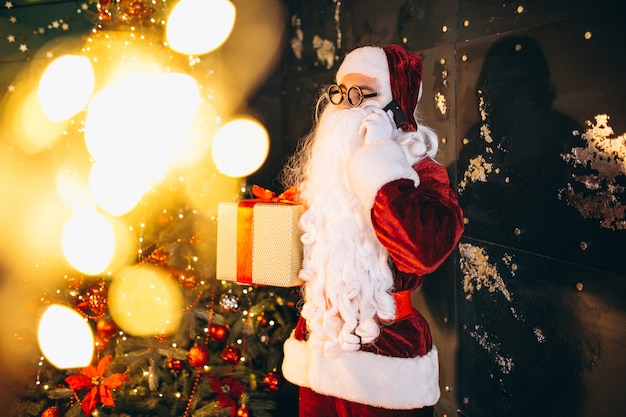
pixel 345 267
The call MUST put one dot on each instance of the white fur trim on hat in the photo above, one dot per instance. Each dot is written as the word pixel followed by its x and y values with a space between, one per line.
pixel 364 377
pixel 372 62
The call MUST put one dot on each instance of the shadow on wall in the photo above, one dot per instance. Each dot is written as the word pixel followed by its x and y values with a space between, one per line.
pixel 512 160
pixel 524 341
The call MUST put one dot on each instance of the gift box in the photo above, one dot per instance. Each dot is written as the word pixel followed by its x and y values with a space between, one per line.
pixel 258 242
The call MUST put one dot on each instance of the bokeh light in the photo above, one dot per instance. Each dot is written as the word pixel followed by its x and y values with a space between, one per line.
pixel 72 183
pixel 33 130
pixel 66 86
pixel 118 188
pixel 142 114
pixel 206 187
pixel 145 301
pixel 253 49
pixel 35 230
pixel 88 242
pixel 65 338
pixel 240 147
pixel 196 27
pixel 175 112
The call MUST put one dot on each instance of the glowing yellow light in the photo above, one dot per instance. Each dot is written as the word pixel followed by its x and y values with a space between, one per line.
pixel 65 86
pixel 181 98
pixel 117 122
pixel 195 27
pixel 173 115
pixel 34 130
pixel 207 188
pixel 136 130
pixel 240 147
pixel 117 188
pixel 145 300
pixel 37 223
pixel 65 338
pixel 72 184
pixel 88 242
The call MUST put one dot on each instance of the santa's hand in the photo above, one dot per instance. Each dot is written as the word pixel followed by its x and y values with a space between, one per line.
pixel 376 164
pixel 378 125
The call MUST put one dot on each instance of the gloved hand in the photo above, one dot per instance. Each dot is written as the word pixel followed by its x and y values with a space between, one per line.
pixel 378 125
pixel 380 160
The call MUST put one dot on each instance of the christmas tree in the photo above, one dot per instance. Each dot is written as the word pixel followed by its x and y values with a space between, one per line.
pixel 223 358
pixel 169 337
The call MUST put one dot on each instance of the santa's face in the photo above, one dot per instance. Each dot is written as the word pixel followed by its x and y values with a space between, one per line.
pixel 368 87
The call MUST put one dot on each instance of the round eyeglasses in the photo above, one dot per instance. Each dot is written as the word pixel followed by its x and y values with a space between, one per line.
pixel 354 95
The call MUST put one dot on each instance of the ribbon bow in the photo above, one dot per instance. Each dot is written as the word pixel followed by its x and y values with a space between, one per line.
pixel 264 195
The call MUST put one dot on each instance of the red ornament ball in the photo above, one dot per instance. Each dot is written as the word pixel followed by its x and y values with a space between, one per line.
pixel 175 365
pixel 106 328
pixel 244 411
pixel 187 279
pixel 271 381
pixel 219 332
pixel 101 343
pixel 198 356
pixel 53 411
pixel 231 354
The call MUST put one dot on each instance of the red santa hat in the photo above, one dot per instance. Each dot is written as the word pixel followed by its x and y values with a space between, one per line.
pixel 399 75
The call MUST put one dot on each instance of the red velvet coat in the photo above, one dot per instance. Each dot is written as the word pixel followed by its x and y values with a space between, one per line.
pixel 419 226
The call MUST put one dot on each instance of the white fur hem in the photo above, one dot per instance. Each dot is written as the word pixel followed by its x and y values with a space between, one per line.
pixel 364 377
pixel 375 165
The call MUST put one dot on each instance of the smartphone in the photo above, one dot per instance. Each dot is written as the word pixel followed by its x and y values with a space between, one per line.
pixel 398 116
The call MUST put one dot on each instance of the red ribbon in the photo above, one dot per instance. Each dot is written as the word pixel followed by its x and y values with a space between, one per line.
pixel 263 195
pixel 245 216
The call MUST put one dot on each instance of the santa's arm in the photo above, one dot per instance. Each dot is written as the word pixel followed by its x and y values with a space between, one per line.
pixel 413 208
pixel 419 226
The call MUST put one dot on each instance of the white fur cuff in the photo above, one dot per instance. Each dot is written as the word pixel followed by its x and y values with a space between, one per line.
pixel 375 165
pixel 364 377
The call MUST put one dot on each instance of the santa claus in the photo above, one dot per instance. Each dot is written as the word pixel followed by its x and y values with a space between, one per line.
pixel 380 215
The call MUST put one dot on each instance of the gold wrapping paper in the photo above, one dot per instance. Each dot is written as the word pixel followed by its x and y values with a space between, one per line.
pixel 276 253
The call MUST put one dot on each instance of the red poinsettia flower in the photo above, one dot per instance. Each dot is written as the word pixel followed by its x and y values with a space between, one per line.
pixel 100 387
pixel 228 390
